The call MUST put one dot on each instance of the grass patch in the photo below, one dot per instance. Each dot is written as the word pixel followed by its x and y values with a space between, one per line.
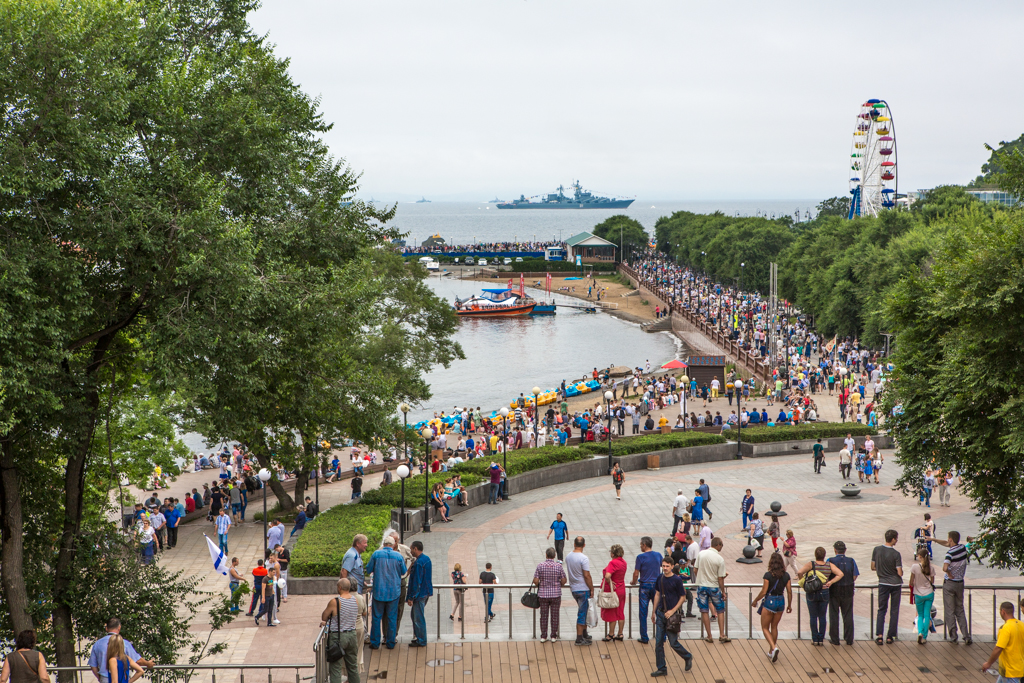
pixel 808 430
pixel 322 545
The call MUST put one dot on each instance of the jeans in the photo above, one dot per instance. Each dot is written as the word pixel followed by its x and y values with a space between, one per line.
pixel 223 540
pixel 350 661
pixel 817 608
pixel 380 609
pixel 549 606
pixel 489 599
pixel 926 497
pixel 582 603
pixel 493 497
pixel 646 594
pixel 924 613
pixel 660 634
pixel 677 520
pixel 233 586
pixel 817 464
pixel 257 600
pixel 746 519
pixel 953 609
pixel 888 600
pixel 267 608
pixel 419 620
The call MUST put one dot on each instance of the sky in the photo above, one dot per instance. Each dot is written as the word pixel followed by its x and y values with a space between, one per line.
pixel 465 101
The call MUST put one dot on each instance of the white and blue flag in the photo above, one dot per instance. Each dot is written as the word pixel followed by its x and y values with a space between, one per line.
pixel 220 563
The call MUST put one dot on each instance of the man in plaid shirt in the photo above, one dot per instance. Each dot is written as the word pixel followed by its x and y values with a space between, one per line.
pixel 549 577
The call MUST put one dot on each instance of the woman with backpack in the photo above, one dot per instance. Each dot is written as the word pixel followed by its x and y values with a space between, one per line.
pixel 815 578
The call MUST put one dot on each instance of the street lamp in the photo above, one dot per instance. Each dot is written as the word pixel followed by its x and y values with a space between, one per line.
pixel 536 416
pixel 504 449
pixel 405 432
pixel 264 476
pixel 739 418
pixel 686 387
pixel 608 409
pixel 427 434
pixel 403 474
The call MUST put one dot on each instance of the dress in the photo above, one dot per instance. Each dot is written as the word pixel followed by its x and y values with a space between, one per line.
pixel 617 568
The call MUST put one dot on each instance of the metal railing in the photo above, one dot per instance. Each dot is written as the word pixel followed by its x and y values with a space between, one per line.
pixel 517 589
pixel 177 672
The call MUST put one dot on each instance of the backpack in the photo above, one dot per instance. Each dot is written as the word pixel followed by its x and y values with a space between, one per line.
pixel 812 582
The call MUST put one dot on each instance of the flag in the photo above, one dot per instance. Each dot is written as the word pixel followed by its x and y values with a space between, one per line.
pixel 831 345
pixel 220 563
pixel 522 285
pixel 549 282
pixel 510 283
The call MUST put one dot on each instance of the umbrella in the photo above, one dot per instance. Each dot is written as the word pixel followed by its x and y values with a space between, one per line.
pixel 673 365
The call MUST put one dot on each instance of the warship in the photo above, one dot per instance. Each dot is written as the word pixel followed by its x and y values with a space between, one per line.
pixel 580 199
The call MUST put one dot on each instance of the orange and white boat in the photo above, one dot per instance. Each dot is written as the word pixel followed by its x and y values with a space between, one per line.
pixel 494 303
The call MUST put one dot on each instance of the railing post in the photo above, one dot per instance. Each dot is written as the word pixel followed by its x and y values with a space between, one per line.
pixel 629 601
pixel 750 614
pixel 995 611
pixel 213 674
pixel 799 632
pixel 241 674
pixel 297 678
pixel 438 616
pixel 510 614
pixel 871 622
pixel 270 676
pixel 970 611
pixel 462 615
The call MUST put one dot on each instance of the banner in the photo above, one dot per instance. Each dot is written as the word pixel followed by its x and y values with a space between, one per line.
pixel 510 283
pixel 522 285
pixel 549 283
pixel 831 345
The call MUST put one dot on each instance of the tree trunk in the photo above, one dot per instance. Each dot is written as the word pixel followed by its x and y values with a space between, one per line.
pixel 263 459
pixel 301 483
pixel 13 549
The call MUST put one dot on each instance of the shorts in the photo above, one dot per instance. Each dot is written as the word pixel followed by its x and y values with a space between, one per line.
pixel 773 603
pixel 712 595
pixel 618 487
pixel 582 605
pixel 236 507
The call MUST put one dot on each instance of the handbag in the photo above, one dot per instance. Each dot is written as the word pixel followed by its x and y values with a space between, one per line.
pixel 530 599
pixel 335 651
pixel 608 599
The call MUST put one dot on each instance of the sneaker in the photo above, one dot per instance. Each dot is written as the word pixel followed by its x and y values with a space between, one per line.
pixel 659 672
pixel 775 655
pixel 276 622
pixel 582 641
pixel 554 639
pixel 257 621
pixel 968 641
pixel 689 663
pixel 543 640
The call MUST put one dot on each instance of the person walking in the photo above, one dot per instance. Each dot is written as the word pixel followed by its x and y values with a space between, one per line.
pixel 840 599
pixel 561 531
pixel 789 553
pixel 887 563
pixel 668 600
pixel 488 578
pixel 697 507
pixel 618 476
pixel 223 524
pixel 705 495
pixel 776 582
pixel 954 570
pixel 678 510
pixel 269 594
pixel 341 617
pixel 458 594
pixel 922 592
pixel 746 508
pixel 1009 648
pixel 646 572
pixel 845 462
pixel 549 577
pixel 614 581
pixel 387 567
pixel 819 456
pixel 495 480
pixel 25 664
pixel 817 591
pixel 711 588
pixel 421 587
pixel 577 570
pixel 755 532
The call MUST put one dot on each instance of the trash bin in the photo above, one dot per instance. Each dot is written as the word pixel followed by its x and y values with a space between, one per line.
pixel 654 462
pixel 667 429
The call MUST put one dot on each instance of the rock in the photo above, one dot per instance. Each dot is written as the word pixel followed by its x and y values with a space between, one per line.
pixel 619 371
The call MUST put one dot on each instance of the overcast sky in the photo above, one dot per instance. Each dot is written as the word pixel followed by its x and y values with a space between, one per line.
pixel 666 100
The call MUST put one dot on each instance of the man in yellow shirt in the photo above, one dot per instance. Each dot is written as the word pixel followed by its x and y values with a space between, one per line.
pixel 1009 648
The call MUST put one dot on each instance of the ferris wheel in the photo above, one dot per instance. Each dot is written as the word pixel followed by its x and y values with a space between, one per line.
pixel 873 160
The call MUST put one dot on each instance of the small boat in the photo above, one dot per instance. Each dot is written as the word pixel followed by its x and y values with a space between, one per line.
pixel 494 303
pixel 543 309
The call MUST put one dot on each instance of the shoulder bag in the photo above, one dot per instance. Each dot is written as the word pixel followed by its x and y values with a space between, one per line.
pixel 674 622
pixel 35 669
pixel 608 599
pixel 530 598
pixel 334 649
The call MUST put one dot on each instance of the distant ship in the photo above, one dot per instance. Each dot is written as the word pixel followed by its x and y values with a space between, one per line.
pixel 422 200
pixel 581 199
pixel 496 201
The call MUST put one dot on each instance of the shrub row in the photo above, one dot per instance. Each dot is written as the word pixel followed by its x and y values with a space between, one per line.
pixel 323 543
pixel 808 430
pixel 524 460
pixel 415 496
pixel 654 442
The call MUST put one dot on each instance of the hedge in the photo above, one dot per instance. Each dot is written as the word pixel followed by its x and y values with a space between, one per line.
pixel 391 494
pixel 653 442
pixel 807 430
pixel 524 460
pixel 324 541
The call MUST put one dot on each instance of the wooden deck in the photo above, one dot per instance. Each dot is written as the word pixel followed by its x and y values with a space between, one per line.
pixel 740 661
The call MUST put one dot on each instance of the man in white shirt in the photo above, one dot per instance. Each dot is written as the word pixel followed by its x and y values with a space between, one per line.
pixel 850 443
pixel 845 461
pixel 711 587
pixel 715 386
pixel 577 569
pixel 678 508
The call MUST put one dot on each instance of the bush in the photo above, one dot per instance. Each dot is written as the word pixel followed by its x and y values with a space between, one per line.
pixel 542 266
pixel 653 442
pixel 391 495
pixel 323 543
pixel 807 430
pixel 524 460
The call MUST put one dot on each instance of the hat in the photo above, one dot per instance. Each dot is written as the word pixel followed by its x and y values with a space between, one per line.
pixel 839 547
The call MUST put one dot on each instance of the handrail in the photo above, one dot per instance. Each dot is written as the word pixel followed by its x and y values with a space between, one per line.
pixel 176 670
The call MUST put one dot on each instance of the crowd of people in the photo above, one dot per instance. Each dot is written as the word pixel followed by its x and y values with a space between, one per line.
pixel 436 247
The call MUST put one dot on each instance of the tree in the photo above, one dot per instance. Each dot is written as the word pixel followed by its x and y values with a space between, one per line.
pixel 954 398
pixel 836 206
pixel 993 169
pixel 627 233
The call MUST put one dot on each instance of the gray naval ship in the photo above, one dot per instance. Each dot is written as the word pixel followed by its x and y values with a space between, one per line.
pixel 580 199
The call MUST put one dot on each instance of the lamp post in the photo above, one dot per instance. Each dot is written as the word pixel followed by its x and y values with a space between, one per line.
pixel 608 409
pixel 536 416
pixel 405 432
pixel 264 476
pixel 427 434
pixel 403 474
pixel 504 449
pixel 739 418
pixel 686 387
pixel 316 479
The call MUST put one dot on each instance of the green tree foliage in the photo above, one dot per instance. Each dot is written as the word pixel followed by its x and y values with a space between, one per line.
pixel 993 169
pixel 955 389
pixel 624 231
pixel 836 206
pixel 727 242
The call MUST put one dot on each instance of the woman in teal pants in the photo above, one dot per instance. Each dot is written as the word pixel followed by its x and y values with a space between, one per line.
pixel 922 592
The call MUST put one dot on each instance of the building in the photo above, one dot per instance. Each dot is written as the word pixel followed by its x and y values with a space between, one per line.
pixel 590 248
pixel 706 368
pixel 991 194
